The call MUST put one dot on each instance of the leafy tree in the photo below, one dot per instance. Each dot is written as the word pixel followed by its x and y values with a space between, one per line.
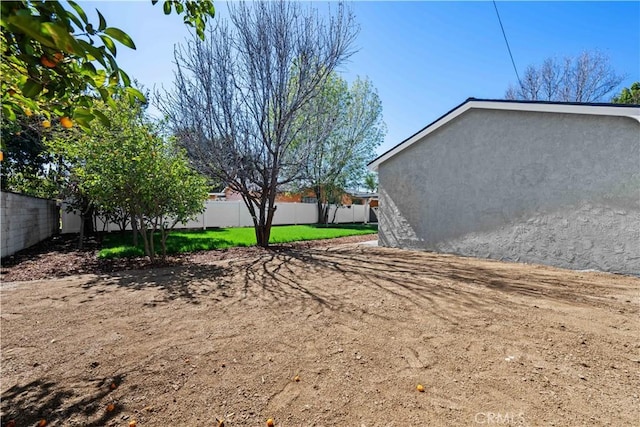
pixel 342 127
pixel 127 169
pixel 237 96
pixel 628 95
pixel 54 60
pixel 588 77
pixel 371 182
pixel 27 167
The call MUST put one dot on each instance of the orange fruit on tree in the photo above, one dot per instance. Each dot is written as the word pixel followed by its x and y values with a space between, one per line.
pixel 66 122
pixel 46 124
pixel 58 57
pixel 270 422
pixel 47 62
pixel 28 112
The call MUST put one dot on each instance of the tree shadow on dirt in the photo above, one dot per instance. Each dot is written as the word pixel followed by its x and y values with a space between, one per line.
pixel 55 403
pixel 275 275
pixel 445 285
pixel 189 283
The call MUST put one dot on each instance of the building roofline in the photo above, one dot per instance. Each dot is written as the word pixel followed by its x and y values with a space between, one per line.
pixel 601 109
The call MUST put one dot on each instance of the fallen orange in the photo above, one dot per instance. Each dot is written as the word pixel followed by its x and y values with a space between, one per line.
pixel 11 423
pixel 296 378
pixel 133 423
pixel 420 388
pixel 111 407
pixel 42 423
pixel 113 386
pixel 270 422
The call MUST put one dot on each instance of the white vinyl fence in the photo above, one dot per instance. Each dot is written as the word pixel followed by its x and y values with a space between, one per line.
pixel 236 214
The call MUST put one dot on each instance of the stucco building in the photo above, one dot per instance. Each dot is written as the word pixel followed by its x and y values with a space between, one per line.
pixel 537 182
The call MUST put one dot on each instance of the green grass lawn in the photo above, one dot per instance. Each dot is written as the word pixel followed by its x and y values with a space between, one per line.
pixel 116 245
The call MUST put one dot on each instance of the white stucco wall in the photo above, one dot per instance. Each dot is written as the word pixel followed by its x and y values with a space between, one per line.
pixel 25 221
pixel 550 188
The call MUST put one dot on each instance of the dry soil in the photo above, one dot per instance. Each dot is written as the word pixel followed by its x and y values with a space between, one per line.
pixel 323 336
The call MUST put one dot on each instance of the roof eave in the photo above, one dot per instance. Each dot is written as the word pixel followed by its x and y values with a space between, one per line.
pixel 632 111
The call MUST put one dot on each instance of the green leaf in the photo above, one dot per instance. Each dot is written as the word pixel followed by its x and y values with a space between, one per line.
pixel 167 7
pixel 61 37
pixel 79 10
pixel 82 112
pixel 74 18
pixel 104 93
pixel 125 78
pixel 83 121
pixel 89 67
pixel 136 93
pixel 31 28
pixel 31 89
pixel 8 113
pixel 93 52
pixel 109 43
pixel 103 119
pixel 99 78
pixel 120 36
pixel 103 24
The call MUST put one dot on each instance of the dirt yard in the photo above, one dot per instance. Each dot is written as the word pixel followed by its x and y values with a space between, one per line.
pixel 358 327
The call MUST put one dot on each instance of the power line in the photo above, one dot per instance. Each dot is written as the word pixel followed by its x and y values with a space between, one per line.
pixel 507 42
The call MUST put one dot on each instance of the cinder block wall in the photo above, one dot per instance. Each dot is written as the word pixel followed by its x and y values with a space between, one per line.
pixel 25 221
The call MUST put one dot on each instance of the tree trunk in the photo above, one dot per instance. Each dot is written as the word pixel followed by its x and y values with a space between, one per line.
pixel 323 207
pixel 262 235
pixel 323 212
pixel 81 238
pixel 134 229
pixel 86 224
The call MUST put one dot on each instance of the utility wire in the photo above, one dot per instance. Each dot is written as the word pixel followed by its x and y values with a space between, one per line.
pixel 507 42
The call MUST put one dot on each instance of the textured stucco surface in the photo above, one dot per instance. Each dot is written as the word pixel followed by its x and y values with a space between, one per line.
pixel 25 221
pixel 550 188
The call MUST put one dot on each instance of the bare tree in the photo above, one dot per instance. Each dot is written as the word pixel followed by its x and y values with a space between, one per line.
pixel 237 94
pixel 588 77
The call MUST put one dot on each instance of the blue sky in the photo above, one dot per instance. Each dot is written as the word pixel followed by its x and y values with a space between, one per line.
pixel 423 57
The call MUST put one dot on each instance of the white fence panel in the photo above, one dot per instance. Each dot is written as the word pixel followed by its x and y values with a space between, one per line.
pixel 344 214
pixel 244 216
pixel 70 220
pixel 236 214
